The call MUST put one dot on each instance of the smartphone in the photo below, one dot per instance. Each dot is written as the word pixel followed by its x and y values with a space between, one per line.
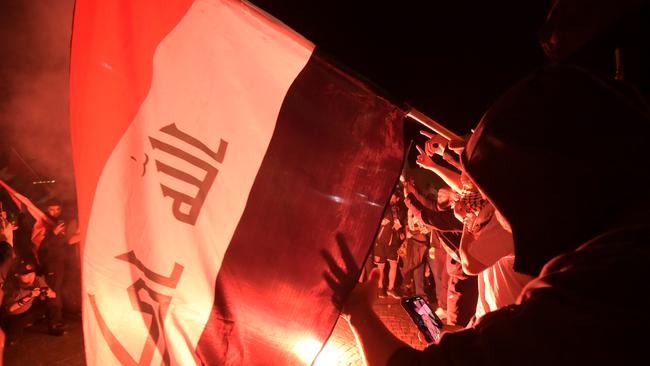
pixel 426 320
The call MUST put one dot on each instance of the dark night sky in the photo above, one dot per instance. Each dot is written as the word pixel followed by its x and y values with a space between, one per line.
pixel 450 59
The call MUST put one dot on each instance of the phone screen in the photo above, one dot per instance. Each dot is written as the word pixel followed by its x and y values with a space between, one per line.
pixel 425 319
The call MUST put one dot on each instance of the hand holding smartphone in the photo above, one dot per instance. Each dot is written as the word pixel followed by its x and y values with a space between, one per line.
pixel 426 320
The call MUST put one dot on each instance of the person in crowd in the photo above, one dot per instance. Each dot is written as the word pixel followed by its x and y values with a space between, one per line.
pixel 50 223
pixel 28 298
pixel 486 249
pixel 51 241
pixel 23 246
pixel 389 239
pixel 8 225
pixel 438 260
pixel 543 156
pixel 436 257
pixel 415 254
pixel 461 290
pixel 7 258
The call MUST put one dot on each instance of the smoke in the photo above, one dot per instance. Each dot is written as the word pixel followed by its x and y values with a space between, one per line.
pixel 34 72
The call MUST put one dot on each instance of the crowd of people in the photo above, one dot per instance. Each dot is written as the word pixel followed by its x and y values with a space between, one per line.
pixel 449 238
pixel 39 254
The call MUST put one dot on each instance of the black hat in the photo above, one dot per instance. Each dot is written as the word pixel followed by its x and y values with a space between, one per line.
pixel 25 267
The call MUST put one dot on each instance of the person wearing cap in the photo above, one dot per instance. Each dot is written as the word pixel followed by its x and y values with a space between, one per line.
pixel 461 291
pixel 388 241
pixel 28 297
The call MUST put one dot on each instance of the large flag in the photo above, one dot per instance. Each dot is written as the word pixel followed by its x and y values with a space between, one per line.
pixel 219 162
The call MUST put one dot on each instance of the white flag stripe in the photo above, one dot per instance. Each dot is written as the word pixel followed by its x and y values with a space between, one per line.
pixel 221 73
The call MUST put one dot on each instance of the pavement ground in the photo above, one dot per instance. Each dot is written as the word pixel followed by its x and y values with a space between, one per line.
pixel 36 347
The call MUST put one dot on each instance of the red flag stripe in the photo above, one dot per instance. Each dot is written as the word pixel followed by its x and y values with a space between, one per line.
pixel 119 80
pixel 334 158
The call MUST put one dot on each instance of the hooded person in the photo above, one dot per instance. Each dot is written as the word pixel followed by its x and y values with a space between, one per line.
pixel 563 156
pixel 549 153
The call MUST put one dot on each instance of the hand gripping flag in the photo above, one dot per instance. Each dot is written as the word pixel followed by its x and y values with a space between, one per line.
pixel 221 166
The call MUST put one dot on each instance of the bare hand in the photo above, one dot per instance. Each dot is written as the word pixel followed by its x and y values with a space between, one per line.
pixel 51 294
pixel 458 146
pixel 362 297
pixel 436 143
pixel 35 292
pixel 59 229
pixel 424 160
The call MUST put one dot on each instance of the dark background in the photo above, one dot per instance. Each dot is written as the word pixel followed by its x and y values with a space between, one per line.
pixel 449 59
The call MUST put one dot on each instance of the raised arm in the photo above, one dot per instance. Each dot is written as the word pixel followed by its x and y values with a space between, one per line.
pixel 451 178
pixel 409 189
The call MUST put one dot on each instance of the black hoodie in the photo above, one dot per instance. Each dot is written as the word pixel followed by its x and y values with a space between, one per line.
pixel 565 156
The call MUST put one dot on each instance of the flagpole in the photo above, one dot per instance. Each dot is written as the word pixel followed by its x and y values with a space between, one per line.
pixel 408 150
pixel 431 124
pixel 406 159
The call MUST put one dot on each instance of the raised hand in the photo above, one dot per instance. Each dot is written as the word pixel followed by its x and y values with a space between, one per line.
pixel 362 296
pixel 341 279
pixel 423 159
pixel 59 229
pixel 435 144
